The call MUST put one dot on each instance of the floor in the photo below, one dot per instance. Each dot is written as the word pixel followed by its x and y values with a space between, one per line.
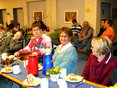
pixel 3 83
pixel 80 63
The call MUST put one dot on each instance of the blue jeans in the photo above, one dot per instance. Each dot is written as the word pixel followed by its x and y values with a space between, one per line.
pixel 80 44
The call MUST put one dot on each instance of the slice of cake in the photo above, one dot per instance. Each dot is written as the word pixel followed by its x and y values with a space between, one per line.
pixel 72 76
pixel 30 79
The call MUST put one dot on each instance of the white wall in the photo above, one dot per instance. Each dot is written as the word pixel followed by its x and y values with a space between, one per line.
pixel 63 5
pixel 20 18
pixel 36 6
pixel 4 14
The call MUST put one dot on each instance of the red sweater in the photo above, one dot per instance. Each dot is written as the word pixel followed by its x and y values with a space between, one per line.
pixel 99 72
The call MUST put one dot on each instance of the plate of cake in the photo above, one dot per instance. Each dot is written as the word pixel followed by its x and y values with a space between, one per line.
pixel 72 77
pixel 7 69
pixel 32 80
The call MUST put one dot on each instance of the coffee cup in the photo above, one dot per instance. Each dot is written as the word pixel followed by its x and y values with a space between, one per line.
pixel 44 83
pixel 4 55
pixel 25 63
pixel 16 69
pixel 62 83
pixel 63 73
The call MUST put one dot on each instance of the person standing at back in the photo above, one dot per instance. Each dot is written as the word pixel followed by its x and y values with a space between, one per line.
pixel 109 32
pixel 43 26
pixel 2 34
pixel 11 25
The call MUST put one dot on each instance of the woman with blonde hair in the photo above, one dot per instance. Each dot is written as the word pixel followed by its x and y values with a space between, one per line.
pixel 100 63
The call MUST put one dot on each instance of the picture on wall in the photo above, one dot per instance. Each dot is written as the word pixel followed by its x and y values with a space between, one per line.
pixel 37 15
pixel 69 15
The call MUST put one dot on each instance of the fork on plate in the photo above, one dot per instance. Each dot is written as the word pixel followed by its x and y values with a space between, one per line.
pixel 82 81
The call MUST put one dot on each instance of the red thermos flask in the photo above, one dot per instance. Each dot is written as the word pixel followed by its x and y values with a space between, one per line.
pixel 33 65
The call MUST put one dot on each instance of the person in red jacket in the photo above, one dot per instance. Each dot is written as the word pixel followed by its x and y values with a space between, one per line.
pixel 100 63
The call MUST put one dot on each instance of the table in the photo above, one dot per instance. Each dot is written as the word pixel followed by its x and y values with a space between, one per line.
pixel 22 76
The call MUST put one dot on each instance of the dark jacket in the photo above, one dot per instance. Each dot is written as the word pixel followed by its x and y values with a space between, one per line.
pixel 101 32
pixel 10 26
pixel 114 77
pixel 10 46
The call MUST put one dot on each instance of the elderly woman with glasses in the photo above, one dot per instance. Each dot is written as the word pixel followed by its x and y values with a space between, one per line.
pixel 100 63
pixel 65 55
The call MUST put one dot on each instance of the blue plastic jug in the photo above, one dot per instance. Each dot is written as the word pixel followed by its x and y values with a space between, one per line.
pixel 47 63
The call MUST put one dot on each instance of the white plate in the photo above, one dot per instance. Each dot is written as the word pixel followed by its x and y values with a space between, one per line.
pixel 4 70
pixel 78 79
pixel 40 67
pixel 12 56
pixel 37 82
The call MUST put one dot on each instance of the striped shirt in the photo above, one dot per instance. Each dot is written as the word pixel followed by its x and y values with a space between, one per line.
pixel 2 37
pixel 76 29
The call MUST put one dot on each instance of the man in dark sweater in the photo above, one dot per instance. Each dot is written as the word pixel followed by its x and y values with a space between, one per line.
pixel 103 27
pixel 11 25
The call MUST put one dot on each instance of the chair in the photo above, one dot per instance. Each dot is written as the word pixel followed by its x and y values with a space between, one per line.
pixel 113 49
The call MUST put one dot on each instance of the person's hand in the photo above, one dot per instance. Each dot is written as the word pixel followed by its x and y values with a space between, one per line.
pixel 34 53
pixel 16 54
pixel 80 39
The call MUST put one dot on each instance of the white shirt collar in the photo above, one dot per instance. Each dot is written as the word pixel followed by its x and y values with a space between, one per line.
pixel 108 59
pixel 64 47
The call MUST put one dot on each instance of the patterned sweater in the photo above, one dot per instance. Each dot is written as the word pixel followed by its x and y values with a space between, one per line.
pixel 2 37
pixel 66 59
pixel 40 46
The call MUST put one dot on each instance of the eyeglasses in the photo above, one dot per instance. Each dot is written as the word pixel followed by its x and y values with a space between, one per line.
pixel 35 30
pixel 63 36
pixel 92 47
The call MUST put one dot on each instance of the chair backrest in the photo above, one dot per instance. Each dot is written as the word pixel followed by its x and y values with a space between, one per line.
pixel 113 50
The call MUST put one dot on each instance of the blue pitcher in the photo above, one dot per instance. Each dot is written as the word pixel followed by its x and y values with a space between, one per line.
pixel 47 63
